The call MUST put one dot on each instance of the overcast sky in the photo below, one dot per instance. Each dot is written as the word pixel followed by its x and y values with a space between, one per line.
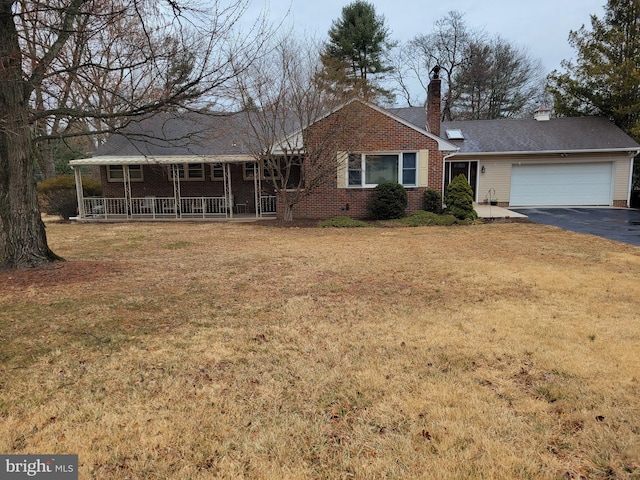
pixel 542 26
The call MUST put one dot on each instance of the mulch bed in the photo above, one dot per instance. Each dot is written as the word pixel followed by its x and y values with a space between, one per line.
pixel 56 273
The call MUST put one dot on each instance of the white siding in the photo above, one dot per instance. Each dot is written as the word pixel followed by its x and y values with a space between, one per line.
pixel 498 171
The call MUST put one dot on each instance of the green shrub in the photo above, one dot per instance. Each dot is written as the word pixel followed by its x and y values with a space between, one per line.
pixel 58 195
pixel 459 199
pixel 343 222
pixel 388 200
pixel 432 201
pixel 421 218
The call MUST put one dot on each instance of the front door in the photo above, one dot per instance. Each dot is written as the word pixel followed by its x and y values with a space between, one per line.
pixel 468 169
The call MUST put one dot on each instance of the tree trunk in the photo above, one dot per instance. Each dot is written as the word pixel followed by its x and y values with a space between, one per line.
pixel 23 241
pixel 288 213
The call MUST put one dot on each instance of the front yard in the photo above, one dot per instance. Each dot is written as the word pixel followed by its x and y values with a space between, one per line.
pixel 191 351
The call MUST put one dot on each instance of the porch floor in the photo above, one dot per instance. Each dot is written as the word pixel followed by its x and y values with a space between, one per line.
pixel 237 217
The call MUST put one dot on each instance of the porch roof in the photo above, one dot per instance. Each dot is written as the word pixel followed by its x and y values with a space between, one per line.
pixel 161 159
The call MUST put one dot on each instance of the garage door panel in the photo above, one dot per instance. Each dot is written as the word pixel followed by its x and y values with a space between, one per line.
pixel 561 184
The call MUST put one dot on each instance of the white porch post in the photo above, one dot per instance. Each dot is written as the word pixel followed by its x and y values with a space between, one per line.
pixel 228 190
pixel 127 189
pixel 257 188
pixel 79 191
pixel 175 173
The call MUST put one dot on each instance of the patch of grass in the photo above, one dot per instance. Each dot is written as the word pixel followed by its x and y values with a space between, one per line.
pixel 343 222
pixel 178 245
pixel 325 353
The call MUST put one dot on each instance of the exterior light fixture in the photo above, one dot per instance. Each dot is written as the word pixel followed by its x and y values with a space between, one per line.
pixel 482 170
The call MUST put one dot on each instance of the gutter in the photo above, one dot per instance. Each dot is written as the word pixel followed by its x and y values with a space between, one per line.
pixel 547 152
pixel 160 159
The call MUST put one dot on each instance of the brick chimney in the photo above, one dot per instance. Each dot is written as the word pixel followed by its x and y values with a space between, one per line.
pixel 433 102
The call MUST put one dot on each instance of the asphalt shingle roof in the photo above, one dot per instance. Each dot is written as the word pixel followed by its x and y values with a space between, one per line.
pixel 228 134
pixel 528 135
pixel 182 134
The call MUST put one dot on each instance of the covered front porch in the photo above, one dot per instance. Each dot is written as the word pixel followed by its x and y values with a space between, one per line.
pixel 162 188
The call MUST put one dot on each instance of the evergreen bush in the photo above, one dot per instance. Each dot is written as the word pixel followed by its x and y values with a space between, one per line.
pixel 58 195
pixel 420 218
pixel 459 199
pixel 432 201
pixel 388 200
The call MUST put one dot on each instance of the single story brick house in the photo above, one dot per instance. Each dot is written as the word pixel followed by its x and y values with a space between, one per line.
pixel 199 166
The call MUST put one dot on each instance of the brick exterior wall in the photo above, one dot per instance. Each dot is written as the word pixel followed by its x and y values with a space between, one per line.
pixel 356 127
pixel 364 129
pixel 351 202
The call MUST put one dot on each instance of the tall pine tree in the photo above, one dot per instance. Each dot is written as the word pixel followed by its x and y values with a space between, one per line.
pixel 354 57
pixel 605 79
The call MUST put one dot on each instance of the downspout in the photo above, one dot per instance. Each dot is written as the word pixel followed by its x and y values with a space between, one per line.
pixel 444 162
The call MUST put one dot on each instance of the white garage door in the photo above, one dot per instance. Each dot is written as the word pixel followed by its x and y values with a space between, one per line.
pixel 564 184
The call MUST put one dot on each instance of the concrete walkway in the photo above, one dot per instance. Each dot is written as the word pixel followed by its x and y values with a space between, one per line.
pixel 491 211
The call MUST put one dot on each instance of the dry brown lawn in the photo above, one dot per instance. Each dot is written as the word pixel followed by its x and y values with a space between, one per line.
pixel 195 351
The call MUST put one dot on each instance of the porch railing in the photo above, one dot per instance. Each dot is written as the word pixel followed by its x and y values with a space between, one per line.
pixel 268 204
pixel 156 207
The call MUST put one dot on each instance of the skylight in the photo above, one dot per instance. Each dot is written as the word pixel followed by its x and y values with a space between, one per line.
pixel 455 134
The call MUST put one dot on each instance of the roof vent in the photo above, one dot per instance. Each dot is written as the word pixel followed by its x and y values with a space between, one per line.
pixel 542 114
pixel 455 134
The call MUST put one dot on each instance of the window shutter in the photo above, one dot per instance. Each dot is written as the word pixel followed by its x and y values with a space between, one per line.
pixel 423 165
pixel 343 161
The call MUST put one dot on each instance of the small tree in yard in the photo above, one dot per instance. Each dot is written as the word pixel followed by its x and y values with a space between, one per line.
pixel 459 199
pixel 388 200
pixel 297 155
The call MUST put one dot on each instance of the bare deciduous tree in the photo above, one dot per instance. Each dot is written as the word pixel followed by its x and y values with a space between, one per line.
pixel 446 46
pixel 283 101
pixel 69 68
pixel 482 77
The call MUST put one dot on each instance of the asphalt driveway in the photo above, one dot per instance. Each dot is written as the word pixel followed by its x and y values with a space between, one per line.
pixel 622 225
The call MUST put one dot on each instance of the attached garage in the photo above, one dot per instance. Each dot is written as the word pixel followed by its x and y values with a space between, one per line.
pixel 576 184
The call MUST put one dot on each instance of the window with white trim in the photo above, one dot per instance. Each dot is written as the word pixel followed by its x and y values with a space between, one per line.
pixel 217 171
pixel 369 170
pixel 115 173
pixel 270 168
pixel 189 171
pixel 248 171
